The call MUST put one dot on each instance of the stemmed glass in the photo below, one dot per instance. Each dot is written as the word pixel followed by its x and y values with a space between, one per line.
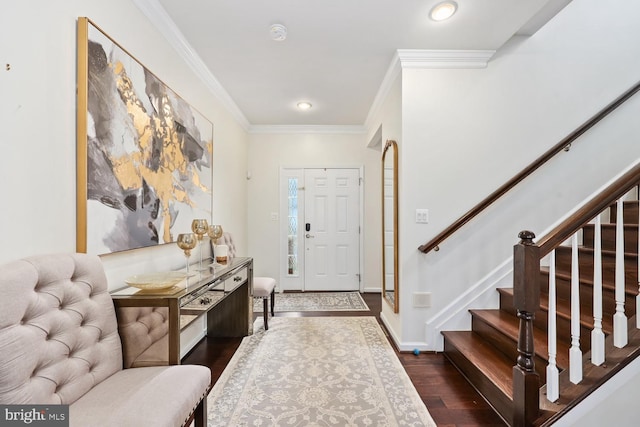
pixel 214 232
pixel 200 227
pixel 186 242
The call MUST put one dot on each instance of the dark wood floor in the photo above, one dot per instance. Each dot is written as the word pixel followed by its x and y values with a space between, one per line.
pixel 450 399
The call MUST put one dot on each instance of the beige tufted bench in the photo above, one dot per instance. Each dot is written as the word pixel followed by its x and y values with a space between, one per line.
pixel 144 333
pixel 59 344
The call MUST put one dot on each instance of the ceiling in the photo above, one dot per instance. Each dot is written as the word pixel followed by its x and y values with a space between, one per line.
pixel 336 54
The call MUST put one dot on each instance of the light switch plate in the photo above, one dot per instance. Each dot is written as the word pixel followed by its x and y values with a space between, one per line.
pixel 422 216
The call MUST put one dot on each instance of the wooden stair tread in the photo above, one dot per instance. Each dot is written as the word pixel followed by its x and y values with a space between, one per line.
pixel 484 357
pixel 509 325
pixel 563 309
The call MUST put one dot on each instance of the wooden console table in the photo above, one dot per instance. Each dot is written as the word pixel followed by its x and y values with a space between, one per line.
pixel 223 294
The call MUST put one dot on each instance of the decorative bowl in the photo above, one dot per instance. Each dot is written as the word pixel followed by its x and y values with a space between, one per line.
pixel 159 280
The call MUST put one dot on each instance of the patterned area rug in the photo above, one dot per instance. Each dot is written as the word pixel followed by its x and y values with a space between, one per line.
pixel 315 301
pixel 316 371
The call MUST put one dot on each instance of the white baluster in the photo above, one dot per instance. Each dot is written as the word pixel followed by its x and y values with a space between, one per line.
pixel 553 388
pixel 620 338
pixel 597 336
pixel 575 354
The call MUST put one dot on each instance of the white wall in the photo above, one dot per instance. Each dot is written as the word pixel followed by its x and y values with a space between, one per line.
pixel 38 157
pixel 467 131
pixel 388 117
pixel 270 152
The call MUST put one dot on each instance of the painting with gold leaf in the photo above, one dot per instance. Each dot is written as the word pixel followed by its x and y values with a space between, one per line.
pixel 144 154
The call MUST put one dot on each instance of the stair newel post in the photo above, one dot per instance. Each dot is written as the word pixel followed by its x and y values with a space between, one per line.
pixel 526 300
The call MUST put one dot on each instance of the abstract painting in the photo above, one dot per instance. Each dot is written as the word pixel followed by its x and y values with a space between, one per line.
pixel 144 154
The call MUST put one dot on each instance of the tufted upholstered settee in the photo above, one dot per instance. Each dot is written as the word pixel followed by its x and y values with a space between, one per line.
pixel 59 344
pixel 144 333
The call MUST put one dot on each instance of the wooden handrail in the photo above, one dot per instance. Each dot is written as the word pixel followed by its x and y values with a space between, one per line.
pixel 562 145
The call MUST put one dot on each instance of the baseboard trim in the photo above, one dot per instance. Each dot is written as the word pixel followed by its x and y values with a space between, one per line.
pixel 456 317
pixel 401 346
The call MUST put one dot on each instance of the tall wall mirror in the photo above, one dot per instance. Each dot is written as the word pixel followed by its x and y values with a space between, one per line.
pixel 390 224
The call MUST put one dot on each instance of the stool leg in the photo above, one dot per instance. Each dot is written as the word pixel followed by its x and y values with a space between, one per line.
pixel 273 301
pixel 266 314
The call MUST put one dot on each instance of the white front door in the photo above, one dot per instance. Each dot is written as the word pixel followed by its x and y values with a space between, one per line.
pixel 329 201
pixel 331 229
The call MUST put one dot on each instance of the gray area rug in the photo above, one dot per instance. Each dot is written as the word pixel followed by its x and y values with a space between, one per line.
pixel 315 301
pixel 316 371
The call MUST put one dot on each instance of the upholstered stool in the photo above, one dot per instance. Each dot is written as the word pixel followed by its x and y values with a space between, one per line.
pixel 264 287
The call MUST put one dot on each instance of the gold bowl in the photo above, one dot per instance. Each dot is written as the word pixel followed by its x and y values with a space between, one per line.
pixel 159 280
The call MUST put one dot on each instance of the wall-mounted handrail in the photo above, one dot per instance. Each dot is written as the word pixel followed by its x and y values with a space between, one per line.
pixel 549 154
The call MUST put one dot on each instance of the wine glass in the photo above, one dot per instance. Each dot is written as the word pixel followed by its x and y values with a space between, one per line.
pixel 214 232
pixel 200 227
pixel 186 242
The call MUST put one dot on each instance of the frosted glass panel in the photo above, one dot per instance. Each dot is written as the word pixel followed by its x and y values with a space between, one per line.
pixel 292 232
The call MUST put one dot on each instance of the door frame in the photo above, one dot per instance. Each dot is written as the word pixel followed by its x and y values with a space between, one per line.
pixel 296 283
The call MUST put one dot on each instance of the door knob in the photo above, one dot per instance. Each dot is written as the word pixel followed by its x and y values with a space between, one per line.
pixel 308 236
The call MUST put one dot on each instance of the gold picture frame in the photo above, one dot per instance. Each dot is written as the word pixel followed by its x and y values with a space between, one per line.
pixel 390 248
pixel 144 155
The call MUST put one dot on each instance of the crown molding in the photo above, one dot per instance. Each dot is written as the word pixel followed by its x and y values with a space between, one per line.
pixel 411 58
pixel 306 129
pixel 159 17
pixel 425 59
pixel 392 73
pixel 402 59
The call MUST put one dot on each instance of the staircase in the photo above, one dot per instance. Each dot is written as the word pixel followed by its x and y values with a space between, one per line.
pixel 486 355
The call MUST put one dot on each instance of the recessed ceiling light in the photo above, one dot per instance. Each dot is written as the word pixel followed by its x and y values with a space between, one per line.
pixel 444 10
pixel 304 105
pixel 278 32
